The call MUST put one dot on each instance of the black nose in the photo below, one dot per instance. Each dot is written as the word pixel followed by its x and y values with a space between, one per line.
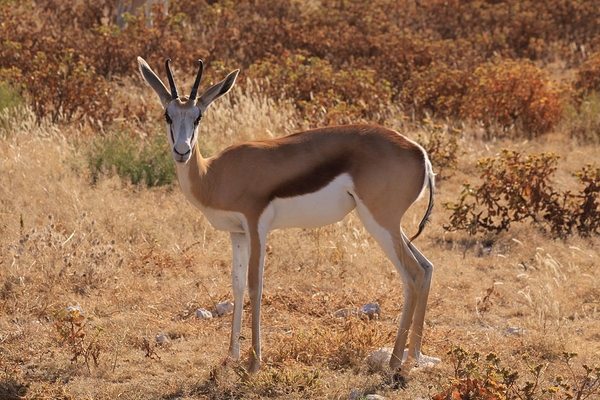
pixel 182 154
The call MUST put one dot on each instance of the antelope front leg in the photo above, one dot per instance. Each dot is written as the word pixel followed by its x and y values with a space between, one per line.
pixel 255 284
pixel 239 275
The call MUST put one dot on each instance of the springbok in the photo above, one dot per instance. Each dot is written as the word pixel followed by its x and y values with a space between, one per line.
pixel 306 180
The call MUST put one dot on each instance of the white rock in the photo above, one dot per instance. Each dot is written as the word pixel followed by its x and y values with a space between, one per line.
pixel 427 362
pixel 76 309
pixel 224 308
pixel 515 331
pixel 379 360
pixel 342 313
pixel 162 338
pixel 201 313
pixel 357 394
pixel 371 310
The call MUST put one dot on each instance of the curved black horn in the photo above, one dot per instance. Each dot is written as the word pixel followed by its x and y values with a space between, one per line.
pixel 197 81
pixel 174 94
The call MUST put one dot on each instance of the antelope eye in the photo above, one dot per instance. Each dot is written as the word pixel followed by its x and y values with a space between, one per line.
pixel 197 121
pixel 168 118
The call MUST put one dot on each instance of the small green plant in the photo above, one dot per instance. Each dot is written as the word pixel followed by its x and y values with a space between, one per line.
pixel 76 332
pixel 146 162
pixel 11 101
pixel 476 377
pixel 9 96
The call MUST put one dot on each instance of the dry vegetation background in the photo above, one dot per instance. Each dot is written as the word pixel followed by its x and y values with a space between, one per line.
pixel 103 263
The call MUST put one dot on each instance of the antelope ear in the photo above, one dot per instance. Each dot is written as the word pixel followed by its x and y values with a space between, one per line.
pixel 153 80
pixel 217 91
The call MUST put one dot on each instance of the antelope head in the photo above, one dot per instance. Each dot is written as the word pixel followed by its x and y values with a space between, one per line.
pixel 183 114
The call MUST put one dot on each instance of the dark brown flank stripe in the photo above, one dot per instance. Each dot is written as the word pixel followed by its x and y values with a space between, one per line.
pixel 313 180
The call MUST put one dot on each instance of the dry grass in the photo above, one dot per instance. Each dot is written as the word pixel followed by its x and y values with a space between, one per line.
pixel 138 262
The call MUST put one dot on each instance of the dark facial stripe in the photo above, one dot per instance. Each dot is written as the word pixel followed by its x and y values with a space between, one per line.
pixel 313 180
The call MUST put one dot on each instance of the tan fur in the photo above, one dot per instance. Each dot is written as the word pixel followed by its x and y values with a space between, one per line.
pixel 255 170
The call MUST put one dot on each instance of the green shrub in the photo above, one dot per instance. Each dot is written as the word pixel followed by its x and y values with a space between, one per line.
pixel 141 162
pixel 9 96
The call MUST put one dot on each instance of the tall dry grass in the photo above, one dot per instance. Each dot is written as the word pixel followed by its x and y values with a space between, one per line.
pixel 138 262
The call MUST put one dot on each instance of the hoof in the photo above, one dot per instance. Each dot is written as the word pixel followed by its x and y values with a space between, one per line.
pixel 399 381
pixel 254 367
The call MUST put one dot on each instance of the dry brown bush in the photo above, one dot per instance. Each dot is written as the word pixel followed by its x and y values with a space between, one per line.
pixel 515 97
pixel 588 75
pixel 333 97
pixel 516 188
pixel 424 55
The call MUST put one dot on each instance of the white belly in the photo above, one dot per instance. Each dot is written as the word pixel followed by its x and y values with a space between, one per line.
pixel 229 221
pixel 326 206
